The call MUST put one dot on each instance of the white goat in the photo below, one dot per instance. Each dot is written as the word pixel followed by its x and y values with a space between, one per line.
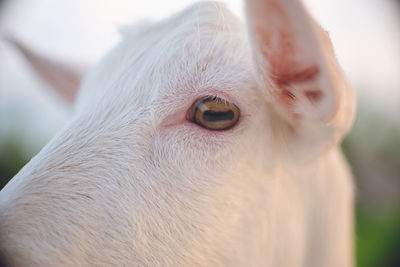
pixel 194 142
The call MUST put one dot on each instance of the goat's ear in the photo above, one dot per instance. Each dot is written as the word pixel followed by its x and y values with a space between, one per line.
pixel 299 74
pixel 62 79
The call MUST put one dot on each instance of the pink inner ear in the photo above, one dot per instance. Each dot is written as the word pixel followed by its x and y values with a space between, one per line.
pixel 314 95
pixel 287 49
pixel 281 54
pixel 282 76
pixel 285 70
pixel 287 65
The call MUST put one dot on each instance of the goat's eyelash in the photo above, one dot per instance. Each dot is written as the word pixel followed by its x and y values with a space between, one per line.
pixel 216 99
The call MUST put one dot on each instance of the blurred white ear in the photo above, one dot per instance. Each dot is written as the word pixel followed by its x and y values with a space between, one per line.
pixel 62 79
pixel 298 72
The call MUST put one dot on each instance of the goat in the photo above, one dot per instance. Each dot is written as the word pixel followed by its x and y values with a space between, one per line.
pixel 197 141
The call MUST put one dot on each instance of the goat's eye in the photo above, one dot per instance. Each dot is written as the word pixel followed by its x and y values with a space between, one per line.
pixel 214 113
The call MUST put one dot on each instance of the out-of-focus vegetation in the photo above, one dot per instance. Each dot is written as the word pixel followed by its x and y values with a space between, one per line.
pixel 377 237
pixel 373 150
pixel 12 158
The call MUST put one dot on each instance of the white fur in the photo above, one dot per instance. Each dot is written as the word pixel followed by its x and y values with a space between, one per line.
pixel 130 182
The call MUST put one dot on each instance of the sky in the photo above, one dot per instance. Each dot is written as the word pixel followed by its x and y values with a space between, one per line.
pixel 366 35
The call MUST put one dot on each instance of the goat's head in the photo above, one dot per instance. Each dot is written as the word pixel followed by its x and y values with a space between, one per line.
pixel 178 113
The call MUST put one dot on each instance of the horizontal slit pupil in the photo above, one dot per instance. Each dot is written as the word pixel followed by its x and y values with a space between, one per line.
pixel 215 116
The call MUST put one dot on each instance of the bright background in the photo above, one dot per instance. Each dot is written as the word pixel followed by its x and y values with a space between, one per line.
pixel 366 35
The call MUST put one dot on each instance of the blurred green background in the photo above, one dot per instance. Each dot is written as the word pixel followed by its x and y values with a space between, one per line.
pixel 372 147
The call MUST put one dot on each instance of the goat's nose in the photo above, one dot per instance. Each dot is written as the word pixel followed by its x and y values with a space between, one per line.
pixel 3 261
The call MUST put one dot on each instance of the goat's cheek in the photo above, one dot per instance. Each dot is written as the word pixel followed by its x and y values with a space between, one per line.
pixel 187 146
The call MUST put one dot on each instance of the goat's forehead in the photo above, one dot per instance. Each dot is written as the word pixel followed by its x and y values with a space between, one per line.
pixel 202 47
pixel 195 44
pixel 205 16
